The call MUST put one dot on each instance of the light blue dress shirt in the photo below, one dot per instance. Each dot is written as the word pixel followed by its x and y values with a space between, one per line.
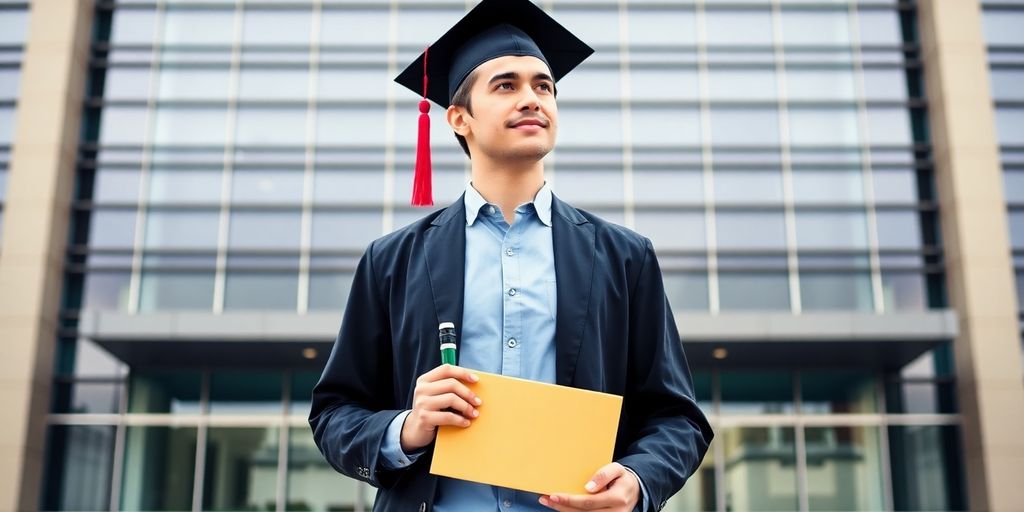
pixel 508 328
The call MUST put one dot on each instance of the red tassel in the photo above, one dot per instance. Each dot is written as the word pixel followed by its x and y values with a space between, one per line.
pixel 422 193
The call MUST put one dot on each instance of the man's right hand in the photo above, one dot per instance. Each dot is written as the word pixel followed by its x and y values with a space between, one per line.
pixel 437 391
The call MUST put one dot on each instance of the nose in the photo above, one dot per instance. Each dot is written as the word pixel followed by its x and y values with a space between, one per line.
pixel 529 100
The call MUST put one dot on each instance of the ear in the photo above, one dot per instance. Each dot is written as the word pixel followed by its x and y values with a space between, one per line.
pixel 458 119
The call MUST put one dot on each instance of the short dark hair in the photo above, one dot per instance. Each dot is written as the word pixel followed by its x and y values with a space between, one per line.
pixel 461 98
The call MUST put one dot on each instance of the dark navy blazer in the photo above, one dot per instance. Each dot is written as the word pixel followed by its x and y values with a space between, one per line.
pixel 614 333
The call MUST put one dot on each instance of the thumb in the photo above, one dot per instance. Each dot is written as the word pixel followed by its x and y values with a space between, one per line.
pixel 604 476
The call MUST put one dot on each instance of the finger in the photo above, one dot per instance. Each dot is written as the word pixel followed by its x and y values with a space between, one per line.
pixel 571 503
pixel 450 400
pixel 604 476
pixel 451 385
pixel 448 371
pixel 439 418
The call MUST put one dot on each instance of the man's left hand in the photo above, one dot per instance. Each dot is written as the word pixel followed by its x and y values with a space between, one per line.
pixel 611 488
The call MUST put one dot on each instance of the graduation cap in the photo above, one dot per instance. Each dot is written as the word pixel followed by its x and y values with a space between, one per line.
pixel 492 29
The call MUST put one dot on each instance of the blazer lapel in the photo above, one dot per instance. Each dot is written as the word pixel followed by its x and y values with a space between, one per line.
pixel 445 254
pixel 574 247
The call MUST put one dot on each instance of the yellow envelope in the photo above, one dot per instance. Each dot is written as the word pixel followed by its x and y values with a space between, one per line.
pixel 531 436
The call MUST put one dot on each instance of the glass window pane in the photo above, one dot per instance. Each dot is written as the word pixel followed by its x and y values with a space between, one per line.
pixel 1013 185
pixel 3 184
pixel 198 26
pixel 267 187
pixel 348 186
pixel 6 126
pixel 665 126
pixel 926 466
pixel 114 185
pixel 879 27
pixel 1010 126
pixel 836 186
pixel 831 230
pixel 346 230
pixel 823 126
pixel 351 83
pixel 844 468
pixel 360 126
pixel 307 472
pixel 79 469
pixel 9 79
pixel 745 291
pixel 838 392
pixel 105 291
pixel 820 84
pixel 667 186
pixel 241 469
pixel 818 27
pixel 739 27
pixel 133 26
pixel 302 383
pixel 169 291
pixel 672 84
pixel 1002 27
pixel 261 290
pixel 1007 84
pixel 756 392
pixel 899 229
pixel 161 391
pixel 672 229
pixel 579 126
pixel 741 84
pixel 597 26
pixel 889 126
pixel 895 185
pixel 169 229
pixel 263 126
pixel 358 26
pixel 273 83
pixel 126 83
pixel 159 465
pixel 662 26
pixel 845 291
pixel 1016 221
pixel 762 474
pixel 750 230
pixel 120 125
pixel 246 392
pixel 686 291
pixel 264 230
pixel 744 127
pixel 917 397
pixel 13 26
pixel 590 84
pixel 185 186
pixel 904 291
pixel 732 187
pixel 112 229
pixel 276 26
pixel 328 291
pixel 181 83
pixel 590 186
pixel 190 125
pixel 87 397
pixel 885 84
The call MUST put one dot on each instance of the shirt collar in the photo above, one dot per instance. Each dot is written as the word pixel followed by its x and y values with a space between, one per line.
pixel 541 203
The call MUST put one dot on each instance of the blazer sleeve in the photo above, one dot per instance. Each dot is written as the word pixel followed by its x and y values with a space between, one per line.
pixel 668 433
pixel 352 403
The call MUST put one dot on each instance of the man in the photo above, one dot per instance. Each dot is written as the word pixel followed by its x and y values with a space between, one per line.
pixel 536 288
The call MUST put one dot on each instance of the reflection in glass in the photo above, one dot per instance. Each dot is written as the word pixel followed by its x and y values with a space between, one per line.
pixel 312 483
pixel 328 291
pixel 760 468
pixel 756 392
pixel 838 392
pixel 159 466
pixel 176 290
pixel 686 291
pixel 926 466
pixel 844 468
pixel 920 397
pixel 241 469
pixel 105 291
pixel 79 467
pixel 246 392
pixel 904 291
pixel 157 391
pixel 739 291
pixel 849 291
pixel 87 397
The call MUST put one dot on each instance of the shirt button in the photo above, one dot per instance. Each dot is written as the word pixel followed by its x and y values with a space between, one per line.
pixel 509 252
pixel 507 503
pixel 490 210
pixel 512 343
pixel 512 292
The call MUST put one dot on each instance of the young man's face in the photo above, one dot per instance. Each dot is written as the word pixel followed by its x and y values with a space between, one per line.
pixel 514 112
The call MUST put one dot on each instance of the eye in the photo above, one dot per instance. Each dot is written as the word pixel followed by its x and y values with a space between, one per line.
pixel 545 87
pixel 503 85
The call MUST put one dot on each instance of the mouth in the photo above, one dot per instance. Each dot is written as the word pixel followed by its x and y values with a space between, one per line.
pixel 530 124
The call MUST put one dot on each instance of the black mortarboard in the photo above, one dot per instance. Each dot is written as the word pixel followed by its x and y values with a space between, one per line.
pixel 492 29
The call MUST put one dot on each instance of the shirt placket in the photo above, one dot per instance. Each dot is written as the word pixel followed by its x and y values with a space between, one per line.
pixel 512 301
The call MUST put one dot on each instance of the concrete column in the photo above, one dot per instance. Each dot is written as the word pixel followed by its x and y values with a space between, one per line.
pixel 36 217
pixel 977 248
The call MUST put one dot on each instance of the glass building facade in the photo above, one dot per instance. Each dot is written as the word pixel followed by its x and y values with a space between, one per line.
pixel 237 157
pixel 13 25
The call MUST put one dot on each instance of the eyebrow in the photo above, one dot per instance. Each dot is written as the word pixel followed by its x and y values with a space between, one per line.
pixel 512 75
